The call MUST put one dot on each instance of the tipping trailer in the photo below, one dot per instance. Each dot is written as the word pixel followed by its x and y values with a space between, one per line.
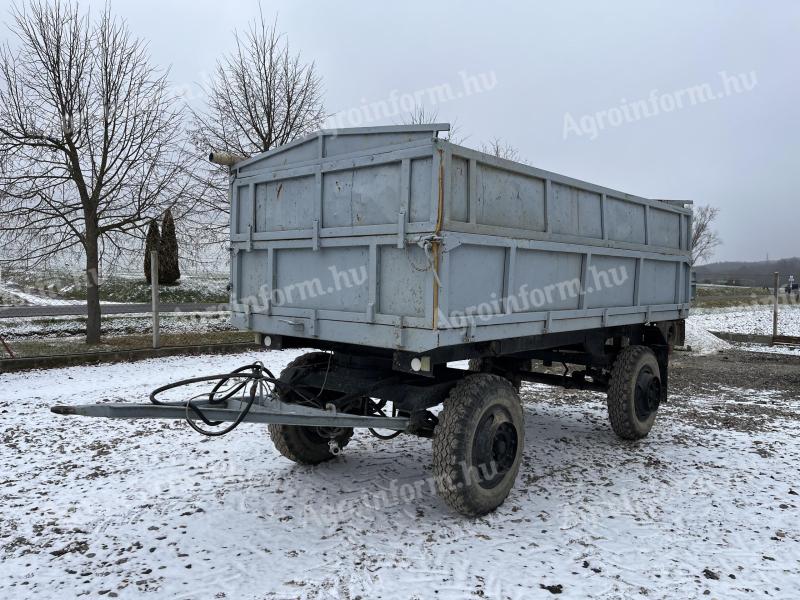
pixel 392 252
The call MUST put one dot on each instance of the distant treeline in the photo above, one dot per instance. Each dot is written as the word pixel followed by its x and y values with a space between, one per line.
pixel 757 274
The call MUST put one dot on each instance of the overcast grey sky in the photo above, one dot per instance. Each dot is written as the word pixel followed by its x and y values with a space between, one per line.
pixel 570 84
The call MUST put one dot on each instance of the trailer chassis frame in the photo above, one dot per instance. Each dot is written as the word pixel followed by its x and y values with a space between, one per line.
pixel 361 372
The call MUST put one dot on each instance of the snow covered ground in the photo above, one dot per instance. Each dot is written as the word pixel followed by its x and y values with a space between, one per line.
pixel 780 349
pixel 20 328
pixel 700 339
pixel 57 289
pixel 751 319
pixel 98 508
pixel 19 296
pixel 748 320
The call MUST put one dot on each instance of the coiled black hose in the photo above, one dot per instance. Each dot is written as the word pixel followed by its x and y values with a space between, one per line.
pixel 257 376
pixel 261 383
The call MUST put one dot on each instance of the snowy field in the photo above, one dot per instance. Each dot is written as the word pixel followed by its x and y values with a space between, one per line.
pixel 790 350
pixel 58 290
pixel 21 328
pixel 751 319
pixel 11 294
pixel 708 504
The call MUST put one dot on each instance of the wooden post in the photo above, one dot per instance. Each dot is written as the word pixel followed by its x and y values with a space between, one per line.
pixel 154 288
pixel 775 311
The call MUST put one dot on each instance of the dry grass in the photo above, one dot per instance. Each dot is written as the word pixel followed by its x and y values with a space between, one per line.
pixel 724 296
pixel 53 346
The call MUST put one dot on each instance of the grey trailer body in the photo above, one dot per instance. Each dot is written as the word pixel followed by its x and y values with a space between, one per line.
pixel 397 252
pixel 389 237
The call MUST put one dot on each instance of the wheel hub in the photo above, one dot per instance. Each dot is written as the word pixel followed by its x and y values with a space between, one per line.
pixel 648 394
pixel 495 448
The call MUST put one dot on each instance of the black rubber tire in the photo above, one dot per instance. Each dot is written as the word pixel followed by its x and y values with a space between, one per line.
pixel 456 439
pixel 305 445
pixel 477 365
pixel 631 363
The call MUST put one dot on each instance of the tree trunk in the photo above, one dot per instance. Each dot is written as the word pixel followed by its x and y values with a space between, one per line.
pixel 92 291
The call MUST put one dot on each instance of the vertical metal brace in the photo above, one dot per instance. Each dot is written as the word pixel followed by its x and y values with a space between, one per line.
pixel 405 186
pixel 605 317
pixel 509 280
pixel 469 333
pixel 548 322
pixel 318 203
pixel 548 202
pixel 312 325
pixel 687 232
pixel 373 282
pixel 398 333
pixel 584 279
pixel 473 191
pixel 250 237
pixel 603 218
pixel 248 312
pixel 270 279
pixel 401 229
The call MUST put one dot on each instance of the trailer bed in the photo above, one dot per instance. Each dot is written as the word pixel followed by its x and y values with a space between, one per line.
pixel 392 238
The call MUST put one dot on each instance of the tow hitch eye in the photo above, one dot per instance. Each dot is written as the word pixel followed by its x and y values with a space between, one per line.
pixel 334 447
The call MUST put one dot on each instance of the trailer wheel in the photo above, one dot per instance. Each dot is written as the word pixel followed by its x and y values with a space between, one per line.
pixel 478 443
pixel 307 445
pixel 634 392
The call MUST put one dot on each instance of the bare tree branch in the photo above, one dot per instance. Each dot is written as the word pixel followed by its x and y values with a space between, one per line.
pixel 262 95
pixel 423 116
pixel 500 149
pixel 704 238
pixel 90 139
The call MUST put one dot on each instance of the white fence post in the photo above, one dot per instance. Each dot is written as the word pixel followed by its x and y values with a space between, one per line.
pixel 154 288
pixel 775 310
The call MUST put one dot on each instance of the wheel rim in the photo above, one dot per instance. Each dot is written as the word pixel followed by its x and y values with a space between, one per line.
pixel 495 447
pixel 647 395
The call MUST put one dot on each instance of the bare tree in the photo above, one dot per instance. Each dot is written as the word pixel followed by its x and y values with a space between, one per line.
pixel 262 96
pixel 89 140
pixel 424 116
pixel 500 149
pixel 704 238
pixel 496 147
